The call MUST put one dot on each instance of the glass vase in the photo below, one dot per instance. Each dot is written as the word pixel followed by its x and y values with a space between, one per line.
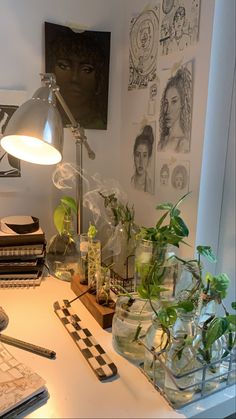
pixel 155 340
pixel 83 246
pixel 181 360
pixel 63 256
pixel 131 320
pixel 94 261
pixel 150 256
pixel 123 253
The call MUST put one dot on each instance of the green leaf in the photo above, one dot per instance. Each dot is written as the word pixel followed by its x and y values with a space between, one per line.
pixel 179 226
pixel 216 329
pixel 179 202
pixel 161 220
pixel 175 212
pixel 207 252
pixel 58 218
pixel 233 305
pixel 165 206
pixel 232 319
pixel 69 202
pixel 186 305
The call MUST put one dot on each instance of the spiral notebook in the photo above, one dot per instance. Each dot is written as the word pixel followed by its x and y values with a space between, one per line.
pixel 21 389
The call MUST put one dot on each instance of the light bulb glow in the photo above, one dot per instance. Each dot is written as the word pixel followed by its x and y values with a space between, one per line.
pixel 31 149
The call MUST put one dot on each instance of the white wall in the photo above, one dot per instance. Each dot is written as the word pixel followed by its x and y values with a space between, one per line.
pixel 22 59
pixel 135 110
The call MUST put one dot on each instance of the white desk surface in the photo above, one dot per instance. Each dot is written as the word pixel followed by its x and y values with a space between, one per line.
pixel 75 391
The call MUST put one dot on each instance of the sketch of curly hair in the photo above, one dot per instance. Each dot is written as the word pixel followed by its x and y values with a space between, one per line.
pixel 179 169
pixel 182 81
pixel 146 137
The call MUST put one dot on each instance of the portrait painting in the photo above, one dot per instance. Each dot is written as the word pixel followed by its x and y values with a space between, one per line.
pixel 143 157
pixel 80 62
pixel 179 27
pixel 9 101
pixel 143 48
pixel 175 118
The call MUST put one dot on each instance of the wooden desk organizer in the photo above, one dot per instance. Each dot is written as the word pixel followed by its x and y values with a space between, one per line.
pixel 103 315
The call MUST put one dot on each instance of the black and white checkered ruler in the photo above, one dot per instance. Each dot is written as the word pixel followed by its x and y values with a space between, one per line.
pixel 92 351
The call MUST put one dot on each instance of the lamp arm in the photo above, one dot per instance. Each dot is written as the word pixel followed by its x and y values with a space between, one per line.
pixel 77 130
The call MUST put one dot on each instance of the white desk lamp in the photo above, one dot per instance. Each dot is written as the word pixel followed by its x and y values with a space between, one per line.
pixel 35 133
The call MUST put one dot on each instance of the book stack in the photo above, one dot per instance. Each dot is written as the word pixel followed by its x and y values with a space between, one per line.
pixel 22 255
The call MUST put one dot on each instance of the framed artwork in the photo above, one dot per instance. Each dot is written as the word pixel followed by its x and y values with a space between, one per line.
pixel 80 62
pixel 9 102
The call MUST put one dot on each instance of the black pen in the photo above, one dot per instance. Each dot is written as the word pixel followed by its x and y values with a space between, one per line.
pixel 27 346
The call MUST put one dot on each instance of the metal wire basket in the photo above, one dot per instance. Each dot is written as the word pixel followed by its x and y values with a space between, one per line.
pixel 204 384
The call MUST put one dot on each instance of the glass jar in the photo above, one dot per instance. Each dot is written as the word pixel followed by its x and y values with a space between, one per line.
pixel 103 287
pixel 181 359
pixel 188 283
pixel 149 257
pixel 94 261
pixel 155 340
pixel 123 253
pixel 83 246
pixel 131 320
pixel 209 356
pixel 63 256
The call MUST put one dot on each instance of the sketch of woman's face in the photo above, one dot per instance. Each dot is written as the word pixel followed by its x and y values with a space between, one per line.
pixel 141 159
pixel 179 181
pixel 77 80
pixel 172 106
pixel 164 177
pixel 179 22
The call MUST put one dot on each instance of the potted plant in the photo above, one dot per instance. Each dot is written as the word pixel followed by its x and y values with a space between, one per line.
pixel 134 312
pixel 123 231
pixel 62 250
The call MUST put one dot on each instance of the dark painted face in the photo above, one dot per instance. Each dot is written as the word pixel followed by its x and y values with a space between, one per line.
pixel 77 80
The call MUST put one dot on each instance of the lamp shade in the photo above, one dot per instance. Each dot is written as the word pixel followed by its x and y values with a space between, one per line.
pixel 35 131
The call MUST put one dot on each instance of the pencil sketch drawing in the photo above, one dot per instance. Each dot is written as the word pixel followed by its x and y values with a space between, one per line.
pixel 143 49
pixel 9 165
pixel 143 159
pixel 176 112
pixel 179 26
pixel 180 177
pixel 152 99
pixel 164 175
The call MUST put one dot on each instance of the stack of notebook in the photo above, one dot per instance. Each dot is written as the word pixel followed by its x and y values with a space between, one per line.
pixel 22 257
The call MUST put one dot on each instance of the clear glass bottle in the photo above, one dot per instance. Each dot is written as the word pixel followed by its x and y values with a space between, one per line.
pixel 132 318
pixel 207 311
pixel 150 255
pixel 181 359
pixel 63 256
pixel 155 340
pixel 83 246
pixel 94 260
pixel 103 287
pixel 123 254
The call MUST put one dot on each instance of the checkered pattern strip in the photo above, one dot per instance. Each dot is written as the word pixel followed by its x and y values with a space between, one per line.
pixel 94 354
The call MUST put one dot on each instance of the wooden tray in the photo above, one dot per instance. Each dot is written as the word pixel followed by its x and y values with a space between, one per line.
pixel 103 315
